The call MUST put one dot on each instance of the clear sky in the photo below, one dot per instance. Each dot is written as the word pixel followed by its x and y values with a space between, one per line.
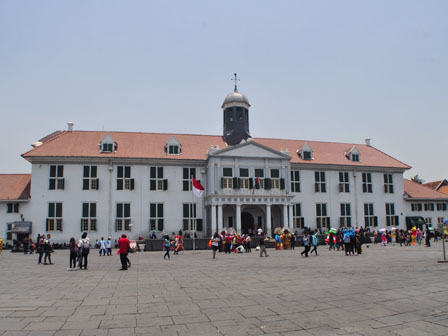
pixel 337 71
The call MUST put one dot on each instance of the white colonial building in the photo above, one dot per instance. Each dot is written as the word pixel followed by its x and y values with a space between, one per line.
pixel 109 183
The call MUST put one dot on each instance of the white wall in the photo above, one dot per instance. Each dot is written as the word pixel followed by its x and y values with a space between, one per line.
pixel 5 218
pixel 106 198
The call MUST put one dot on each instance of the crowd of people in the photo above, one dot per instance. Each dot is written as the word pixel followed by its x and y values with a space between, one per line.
pixel 349 240
pixel 414 236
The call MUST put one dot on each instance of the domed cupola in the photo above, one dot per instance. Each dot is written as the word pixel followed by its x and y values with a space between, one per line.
pixel 236 117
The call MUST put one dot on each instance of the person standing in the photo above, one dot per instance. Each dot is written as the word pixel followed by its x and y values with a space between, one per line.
pixel 262 245
pixel 123 245
pixel 167 247
pixel 40 248
pixel 293 241
pixel 47 250
pixel 347 243
pixel 102 244
pixel 109 246
pixel 248 242
pixel 84 246
pixel 215 244
pixel 73 254
pixel 427 236
pixel 331 241
pixel 306 244
pixel 26 245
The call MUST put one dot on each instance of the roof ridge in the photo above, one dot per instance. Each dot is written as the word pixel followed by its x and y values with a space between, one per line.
pixel 24 174
pixel 409 167
pixel 139 132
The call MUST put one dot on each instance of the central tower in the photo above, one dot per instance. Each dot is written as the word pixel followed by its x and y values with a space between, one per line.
pixel 236 117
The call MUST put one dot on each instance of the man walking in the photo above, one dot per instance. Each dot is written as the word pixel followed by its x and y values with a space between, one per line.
pixel 47 250
pixel 306 244
pixel 123 244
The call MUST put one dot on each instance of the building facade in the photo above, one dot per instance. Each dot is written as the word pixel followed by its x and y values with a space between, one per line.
pixel 109 183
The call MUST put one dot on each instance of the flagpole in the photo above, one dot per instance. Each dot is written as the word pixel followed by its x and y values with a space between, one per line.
pixel 194 218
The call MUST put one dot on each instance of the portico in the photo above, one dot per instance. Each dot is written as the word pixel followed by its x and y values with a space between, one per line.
pixel 247 214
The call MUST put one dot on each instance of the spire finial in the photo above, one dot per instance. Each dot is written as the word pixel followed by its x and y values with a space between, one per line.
pixel 235 80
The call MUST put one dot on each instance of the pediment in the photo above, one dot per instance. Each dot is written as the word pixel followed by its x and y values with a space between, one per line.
pixel 250 149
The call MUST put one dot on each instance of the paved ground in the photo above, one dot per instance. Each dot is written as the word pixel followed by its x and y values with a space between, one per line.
pixel 386 291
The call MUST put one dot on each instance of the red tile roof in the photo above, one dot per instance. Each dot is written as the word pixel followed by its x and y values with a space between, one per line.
pixel 15 187
pixel 436 185
pixel 85 144
pixel 419 191
pixel 444 189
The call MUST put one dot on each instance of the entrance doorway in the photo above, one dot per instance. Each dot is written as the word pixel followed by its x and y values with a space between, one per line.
pixel 247 223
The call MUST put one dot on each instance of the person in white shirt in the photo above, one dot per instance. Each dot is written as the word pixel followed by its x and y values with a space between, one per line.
pixel 102 247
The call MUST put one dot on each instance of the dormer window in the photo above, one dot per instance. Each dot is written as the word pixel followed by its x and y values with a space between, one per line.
pixel 353 154
pixel 173 147
pixel 108 145
pixel 306 153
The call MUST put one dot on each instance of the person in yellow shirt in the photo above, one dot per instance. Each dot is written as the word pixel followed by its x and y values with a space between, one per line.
pixel 1 244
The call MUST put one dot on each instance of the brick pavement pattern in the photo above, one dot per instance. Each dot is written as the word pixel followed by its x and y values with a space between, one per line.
pixel 386 291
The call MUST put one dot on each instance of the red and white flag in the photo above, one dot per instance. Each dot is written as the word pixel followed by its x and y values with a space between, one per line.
pixel 198 189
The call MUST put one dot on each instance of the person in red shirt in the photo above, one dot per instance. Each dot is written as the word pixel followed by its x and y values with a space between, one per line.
pixel 123 244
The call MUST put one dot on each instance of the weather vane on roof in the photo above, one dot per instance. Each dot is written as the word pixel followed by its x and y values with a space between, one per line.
pixel 235 80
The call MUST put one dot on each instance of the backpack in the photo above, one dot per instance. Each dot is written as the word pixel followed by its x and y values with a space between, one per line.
pixel 85 246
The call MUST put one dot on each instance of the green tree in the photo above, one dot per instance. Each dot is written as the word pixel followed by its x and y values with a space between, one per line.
pixel 417 179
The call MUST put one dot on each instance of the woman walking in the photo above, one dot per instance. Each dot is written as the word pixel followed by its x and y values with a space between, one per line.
pixel 315 242
pixel 167 246
pixel 215 244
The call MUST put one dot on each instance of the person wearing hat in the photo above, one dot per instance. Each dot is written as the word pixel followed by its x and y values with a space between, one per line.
pixel 123 244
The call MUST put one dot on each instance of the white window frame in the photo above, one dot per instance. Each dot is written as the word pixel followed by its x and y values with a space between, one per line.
pixel 297 218
pixel 320 181
pixel 388 184
pixel 156 216
pixel 295 181
pixel 367 186
pixel 122 222
pixel 346 215
pixel 156 179
pixel 344 182
pixel 58 179
pixel 88 220
pixel 54 222
pixel 322 219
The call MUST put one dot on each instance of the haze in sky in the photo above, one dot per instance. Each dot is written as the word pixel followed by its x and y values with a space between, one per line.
pixel 338 71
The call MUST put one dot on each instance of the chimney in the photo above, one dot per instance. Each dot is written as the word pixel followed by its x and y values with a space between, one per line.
pixel 367 142
pixel 70 125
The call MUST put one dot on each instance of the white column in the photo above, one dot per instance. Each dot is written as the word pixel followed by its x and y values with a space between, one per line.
pixel 291 223
pixel 219 218
pixel 238 218
pixel 285 216
pixel 214 219
pixel 268 220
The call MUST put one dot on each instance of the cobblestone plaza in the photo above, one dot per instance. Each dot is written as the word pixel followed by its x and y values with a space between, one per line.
pixel 386 291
